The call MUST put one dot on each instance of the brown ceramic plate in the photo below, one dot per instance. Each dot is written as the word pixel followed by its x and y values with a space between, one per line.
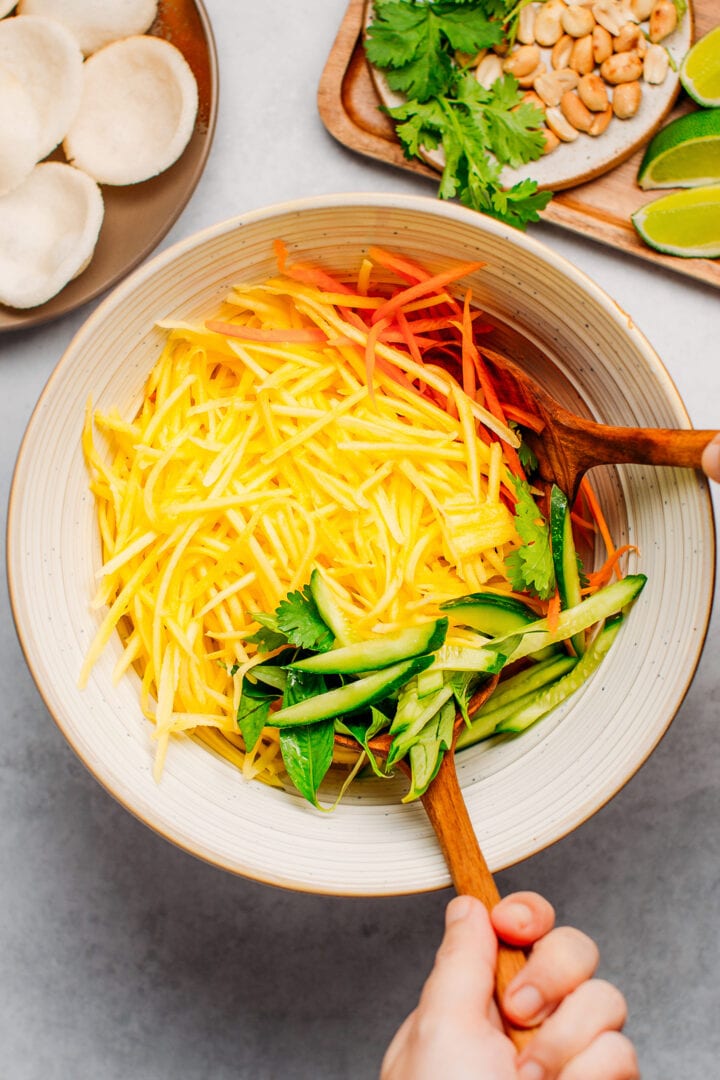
pixel 138 216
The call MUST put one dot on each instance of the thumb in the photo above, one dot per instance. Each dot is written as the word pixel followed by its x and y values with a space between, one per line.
pixel 711 459
pixel 463 978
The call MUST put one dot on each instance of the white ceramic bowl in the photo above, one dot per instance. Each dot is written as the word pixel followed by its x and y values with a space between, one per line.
pixel 522 794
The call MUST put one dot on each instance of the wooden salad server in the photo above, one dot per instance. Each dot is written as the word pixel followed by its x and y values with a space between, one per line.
pixel 570 445
pixel 448 814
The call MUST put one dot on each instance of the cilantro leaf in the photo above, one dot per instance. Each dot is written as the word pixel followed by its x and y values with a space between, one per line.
pixel 297 617
pixel 414 43
pixel 479 130
pixel 530 567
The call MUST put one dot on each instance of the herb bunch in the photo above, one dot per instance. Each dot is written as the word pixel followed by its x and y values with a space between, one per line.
pixel 415 43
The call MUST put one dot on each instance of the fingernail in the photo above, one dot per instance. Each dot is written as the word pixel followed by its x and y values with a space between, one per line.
pixel 458 908
pixel 531 1070
pixel 526 1002
pixel 711 459
pixel 520 915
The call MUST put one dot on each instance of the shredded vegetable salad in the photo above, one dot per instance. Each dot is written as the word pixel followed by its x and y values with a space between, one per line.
pixel 322 521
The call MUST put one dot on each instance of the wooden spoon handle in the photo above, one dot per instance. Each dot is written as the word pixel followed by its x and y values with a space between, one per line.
pixel 446 809
pixel 645 446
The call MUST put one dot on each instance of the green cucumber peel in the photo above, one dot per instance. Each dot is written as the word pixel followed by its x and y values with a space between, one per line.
pixel 379 652
pixel 352 697
pixel 601 605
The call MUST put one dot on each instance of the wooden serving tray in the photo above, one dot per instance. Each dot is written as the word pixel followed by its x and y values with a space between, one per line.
pixel 348 105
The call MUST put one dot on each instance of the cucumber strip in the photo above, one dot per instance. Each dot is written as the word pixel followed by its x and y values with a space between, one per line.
pixel 350 698
pixel 601 605
pixel 554 695
pixel 428 682
pixel 429 749
pixel 408 734
pixel 489 613
pixel 329 610
pixel 565 560
pixel 533 678
pixel 467 658
pixel 517 716
pixel 378 652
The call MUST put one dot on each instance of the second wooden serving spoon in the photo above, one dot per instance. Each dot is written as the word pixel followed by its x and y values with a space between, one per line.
pixel 445 807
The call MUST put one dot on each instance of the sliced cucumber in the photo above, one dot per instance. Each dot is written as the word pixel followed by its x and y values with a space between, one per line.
pixel 516 716
pixel 601 605
pixel 539 704
pixel 350 698
pixel 529 680
pixel 489 613
pixel 428 682
pixel 565 560
pixel 468 658
pixel 329 610
pixel 377 652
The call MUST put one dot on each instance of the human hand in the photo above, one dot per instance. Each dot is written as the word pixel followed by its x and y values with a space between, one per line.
pixel 456 1032
pixel 711 459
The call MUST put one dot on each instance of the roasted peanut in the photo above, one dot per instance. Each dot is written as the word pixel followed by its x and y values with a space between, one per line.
pixel 526 82
pixel 630 38
pixel 577 21
pixel 468 60
pixel 553 85
pixel 560 125
pixel 548 24
pixel 561 51
pixel 581 57
pixel 611 15
pixel 641 9
pixel 593 93
pixel 551 140
pixel 602 44
pixel 522 61
pixel 621 68
pixel 488 70
pixel 575 112
pixel 655 64
pixel 663 20
pixel 626 99
pixel 600 122
pixel 526 25
pixel 531 98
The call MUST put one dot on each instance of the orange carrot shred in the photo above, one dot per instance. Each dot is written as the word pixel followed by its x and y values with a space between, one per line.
pixel 598 516
pixel 402 266
pixel 553 611
pixel 522 417
pixel 602 576
pixel 313 275
pixel 372 340
pixel 422 288
pixel 281 254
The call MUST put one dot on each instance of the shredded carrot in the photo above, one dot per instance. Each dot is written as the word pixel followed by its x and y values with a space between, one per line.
pixel 430 285
pixel 281 254
pixel 553 611
pixel 602 576
pixel 408 334
pixel 400 264
pixel 522 417
pixel 598 516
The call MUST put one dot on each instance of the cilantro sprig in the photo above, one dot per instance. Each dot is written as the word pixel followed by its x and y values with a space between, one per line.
pixel 480 131
pixel 530 567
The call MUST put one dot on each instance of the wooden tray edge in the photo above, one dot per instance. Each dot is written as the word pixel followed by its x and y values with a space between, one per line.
pixel 566 210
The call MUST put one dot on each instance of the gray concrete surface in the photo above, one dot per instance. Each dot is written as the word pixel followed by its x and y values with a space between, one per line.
pixel 122 958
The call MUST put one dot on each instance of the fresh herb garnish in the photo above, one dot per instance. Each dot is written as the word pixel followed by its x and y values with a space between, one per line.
pixel 306 750
pixel 530 567
pixel 480 131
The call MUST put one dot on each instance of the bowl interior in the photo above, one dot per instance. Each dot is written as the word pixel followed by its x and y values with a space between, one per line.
pixel 522 794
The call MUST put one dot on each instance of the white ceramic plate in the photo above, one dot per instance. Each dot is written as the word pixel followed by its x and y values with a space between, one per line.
pixel 587 157
pixel 523 794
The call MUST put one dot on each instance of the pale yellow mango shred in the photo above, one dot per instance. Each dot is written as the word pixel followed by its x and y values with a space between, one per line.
pixel 248 465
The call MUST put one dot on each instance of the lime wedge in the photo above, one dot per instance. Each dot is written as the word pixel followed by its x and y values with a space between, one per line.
pixel 686 223
pixel 700 70
pixel 685 153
